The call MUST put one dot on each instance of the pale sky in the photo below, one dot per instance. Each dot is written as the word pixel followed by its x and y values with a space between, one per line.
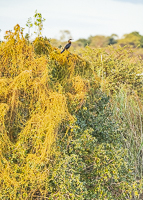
pixel 82 18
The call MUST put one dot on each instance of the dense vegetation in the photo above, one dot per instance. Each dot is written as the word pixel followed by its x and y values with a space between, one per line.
pixel 70 124
pixel 134 40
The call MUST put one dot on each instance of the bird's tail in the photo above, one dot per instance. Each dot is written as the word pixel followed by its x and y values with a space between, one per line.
pixel 62 50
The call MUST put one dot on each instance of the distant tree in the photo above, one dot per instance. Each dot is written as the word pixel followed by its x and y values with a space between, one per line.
pixel 134 39
pixel 83 42
pixel 65 35
pixel 112 39
pixel 98 41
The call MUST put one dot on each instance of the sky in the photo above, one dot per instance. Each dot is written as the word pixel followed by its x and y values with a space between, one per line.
pixel 83 18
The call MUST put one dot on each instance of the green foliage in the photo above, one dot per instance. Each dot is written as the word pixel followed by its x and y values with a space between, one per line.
pixel 42 46
pixel 104 125
pixel 65 180
pixel 38 22
pixel 95 142
pixel 29 23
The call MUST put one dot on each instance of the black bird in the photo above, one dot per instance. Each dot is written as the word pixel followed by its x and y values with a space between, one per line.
pixel 67 46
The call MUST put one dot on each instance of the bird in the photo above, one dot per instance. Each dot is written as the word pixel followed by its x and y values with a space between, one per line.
pixel 67 46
